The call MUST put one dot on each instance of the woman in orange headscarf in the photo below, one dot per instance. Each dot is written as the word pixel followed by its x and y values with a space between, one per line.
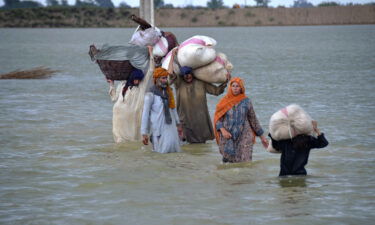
pixel 236 124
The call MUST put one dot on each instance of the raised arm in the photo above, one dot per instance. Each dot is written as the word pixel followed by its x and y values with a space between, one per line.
pixel 173 78
pixel 320 141
pixel 253 120
pixel 114 92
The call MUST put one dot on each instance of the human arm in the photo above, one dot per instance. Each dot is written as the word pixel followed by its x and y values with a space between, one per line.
pixel 145 123
pixel 113 93
pixel 220 127
pixel 173 78
pixel 215 90
pixel 255 125
pixel 320 141
pixel 178 122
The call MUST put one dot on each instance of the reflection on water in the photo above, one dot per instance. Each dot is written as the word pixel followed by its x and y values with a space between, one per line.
pixel 292 181
pixel 294 196
pixel 59 164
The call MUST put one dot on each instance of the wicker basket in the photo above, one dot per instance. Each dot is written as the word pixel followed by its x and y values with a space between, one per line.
pixel 115 70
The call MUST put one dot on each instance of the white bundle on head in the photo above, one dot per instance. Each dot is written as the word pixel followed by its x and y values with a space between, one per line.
pixel 196 51
pixel 290 122
pixel 216 71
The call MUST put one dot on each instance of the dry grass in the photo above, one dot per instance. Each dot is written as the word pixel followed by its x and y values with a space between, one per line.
pixel 35 73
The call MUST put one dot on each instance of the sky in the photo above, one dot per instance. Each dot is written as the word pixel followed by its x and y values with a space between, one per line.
pixel 230 3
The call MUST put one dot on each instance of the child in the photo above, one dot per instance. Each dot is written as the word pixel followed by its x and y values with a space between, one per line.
pixel 295 152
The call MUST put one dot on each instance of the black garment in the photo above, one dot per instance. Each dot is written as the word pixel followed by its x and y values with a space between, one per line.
pixel 295 152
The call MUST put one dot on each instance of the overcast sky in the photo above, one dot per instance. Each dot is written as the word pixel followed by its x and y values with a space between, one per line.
pixel 230 3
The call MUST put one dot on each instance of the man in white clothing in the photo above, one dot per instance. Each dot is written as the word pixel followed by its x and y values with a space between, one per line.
pixel 160 117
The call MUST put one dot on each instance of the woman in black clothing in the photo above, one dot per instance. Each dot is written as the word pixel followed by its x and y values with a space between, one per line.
pixel 295 152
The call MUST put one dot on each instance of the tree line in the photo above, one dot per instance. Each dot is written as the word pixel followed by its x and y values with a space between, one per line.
pixel 213 4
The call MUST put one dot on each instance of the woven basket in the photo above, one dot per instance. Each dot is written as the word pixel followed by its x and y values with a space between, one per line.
pixel 115 70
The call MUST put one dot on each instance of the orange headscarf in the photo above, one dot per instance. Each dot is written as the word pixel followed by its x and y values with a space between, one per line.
pixel 161 72
pixel 227 102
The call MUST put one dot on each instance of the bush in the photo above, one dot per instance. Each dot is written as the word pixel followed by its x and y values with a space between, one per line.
pixel 231 12
pixel 249 14
pixel 324 4
pixel 183 15
pixel 221 23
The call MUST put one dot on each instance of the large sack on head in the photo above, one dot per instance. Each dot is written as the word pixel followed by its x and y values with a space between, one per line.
pixel 216 71
pixel 146 37
pixel 199 39
pixel 196 51
pixel 290 122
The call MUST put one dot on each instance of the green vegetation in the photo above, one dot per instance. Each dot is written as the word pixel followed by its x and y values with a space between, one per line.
pixel 183 15
pixel 249 14
pixel 67 17
pixel 94 16
pixel 302 4
pixel 215 4
pixel 221 23
pixel 324 4
pixel 262 3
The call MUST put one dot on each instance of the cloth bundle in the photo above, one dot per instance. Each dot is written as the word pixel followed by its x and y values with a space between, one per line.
pixel 290 122
pixel 162 42
pixel 161 47
pixel 117 62
pixel 198 53
pixel 146 37
pixel 216 71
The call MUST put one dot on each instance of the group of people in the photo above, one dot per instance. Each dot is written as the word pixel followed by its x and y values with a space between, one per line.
pixel 167 119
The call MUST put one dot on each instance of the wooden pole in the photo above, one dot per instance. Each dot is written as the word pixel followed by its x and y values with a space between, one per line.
pixel 146 10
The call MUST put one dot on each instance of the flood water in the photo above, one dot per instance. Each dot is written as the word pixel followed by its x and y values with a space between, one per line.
pixel 59 164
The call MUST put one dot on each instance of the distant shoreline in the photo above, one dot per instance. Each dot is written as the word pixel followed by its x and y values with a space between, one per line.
pixel 111 18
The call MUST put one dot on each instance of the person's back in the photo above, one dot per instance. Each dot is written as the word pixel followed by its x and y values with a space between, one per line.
pixel 295 152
